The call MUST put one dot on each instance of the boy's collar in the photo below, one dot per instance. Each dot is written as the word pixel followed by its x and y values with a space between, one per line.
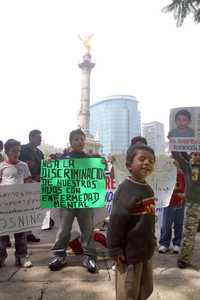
pixel 135 181
pixel 11 163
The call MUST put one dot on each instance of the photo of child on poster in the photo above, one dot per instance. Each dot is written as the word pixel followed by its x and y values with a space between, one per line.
pixel 184 134
pixel 182 120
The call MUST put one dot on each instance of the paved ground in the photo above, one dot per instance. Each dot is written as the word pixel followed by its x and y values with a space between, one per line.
pixel 73 282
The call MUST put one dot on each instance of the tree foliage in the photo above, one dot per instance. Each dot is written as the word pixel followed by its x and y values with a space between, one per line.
pixel 182 8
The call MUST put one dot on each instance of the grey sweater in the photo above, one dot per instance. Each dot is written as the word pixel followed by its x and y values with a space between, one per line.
pixel 132 222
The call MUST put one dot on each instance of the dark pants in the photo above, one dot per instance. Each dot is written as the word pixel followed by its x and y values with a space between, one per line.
pixel 20 243
pixel 172 216
pixel 85 220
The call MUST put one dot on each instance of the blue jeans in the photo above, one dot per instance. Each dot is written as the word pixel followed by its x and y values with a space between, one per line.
pixel 172 215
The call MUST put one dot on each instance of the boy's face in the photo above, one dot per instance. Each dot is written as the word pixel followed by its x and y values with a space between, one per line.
pixel 13 154
pixel 142 164
pixel 182 121
pixel 78 142
pixel 195 158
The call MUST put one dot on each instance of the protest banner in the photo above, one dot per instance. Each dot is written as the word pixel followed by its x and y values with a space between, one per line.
pixel 162 180
pixel 20 208
pixel 110 189
pixel 184 134
pixel 101 214
pixel 73 183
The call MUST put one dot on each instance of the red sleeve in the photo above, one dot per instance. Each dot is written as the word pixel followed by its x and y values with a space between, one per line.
pixel 180 182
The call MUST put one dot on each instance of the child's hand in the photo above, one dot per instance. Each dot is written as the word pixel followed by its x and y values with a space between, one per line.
pixel 120 259
pixel 51 156
pixel 37 178
pixel 28 180
pixel 182 196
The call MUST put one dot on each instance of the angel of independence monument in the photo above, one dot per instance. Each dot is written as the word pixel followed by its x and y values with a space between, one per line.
pixel 91 145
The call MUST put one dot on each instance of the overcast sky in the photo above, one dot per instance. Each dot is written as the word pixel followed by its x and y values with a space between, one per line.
pixel 137 50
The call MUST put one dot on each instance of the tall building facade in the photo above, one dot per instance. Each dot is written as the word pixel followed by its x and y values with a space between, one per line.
pixel 155 135
pixel 114 121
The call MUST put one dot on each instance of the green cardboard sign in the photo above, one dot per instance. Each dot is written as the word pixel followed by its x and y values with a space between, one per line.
pixel 72 183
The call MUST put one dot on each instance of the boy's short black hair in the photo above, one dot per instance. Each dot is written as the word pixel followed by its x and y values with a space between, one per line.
pixel 9 144
pixel 138 139
pixel 183 112
pixel 75 132
pixel 132 151
pixel 34 132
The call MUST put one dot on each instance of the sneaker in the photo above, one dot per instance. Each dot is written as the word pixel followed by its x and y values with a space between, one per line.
pixel 3 256
pixel 57 263
pixel 176 249
pixel 162 249
pixel 32 238
pixel 182 264
pixel 90 264
pixel 23 262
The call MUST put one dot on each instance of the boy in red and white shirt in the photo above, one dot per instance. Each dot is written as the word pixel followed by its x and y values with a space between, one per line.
pixel 14 171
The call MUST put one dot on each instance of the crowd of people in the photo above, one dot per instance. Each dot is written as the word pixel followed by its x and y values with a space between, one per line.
pixel 131 236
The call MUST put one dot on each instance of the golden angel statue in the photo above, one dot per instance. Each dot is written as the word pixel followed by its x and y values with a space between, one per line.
pixel 86 41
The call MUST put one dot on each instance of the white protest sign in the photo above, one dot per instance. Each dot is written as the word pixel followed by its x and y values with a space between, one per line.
pixel 20 208
pixel 101 213
pixel 184 134
pixel 162 180
pixel 120 170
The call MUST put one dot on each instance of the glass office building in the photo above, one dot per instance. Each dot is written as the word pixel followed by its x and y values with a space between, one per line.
pixel 155 135
pixel 114 121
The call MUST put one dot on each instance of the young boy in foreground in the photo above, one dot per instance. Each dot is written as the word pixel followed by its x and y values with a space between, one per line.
pixel 131 239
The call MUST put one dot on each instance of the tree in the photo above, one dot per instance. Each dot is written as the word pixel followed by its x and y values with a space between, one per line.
pixel 182 8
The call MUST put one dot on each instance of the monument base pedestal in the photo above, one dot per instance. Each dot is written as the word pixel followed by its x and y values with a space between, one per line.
pixel 92 146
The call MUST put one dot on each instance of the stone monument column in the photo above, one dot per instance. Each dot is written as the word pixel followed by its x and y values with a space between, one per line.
pixel 84 114
pixel 91 145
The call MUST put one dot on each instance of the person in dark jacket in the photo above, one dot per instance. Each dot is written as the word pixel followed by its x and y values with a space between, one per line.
pixel 32 156
pixel 131 238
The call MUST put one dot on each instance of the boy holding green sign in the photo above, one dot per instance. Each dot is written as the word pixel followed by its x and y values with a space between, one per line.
pixel 67 215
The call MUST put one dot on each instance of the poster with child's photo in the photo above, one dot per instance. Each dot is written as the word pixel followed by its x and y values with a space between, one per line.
pixel 184 134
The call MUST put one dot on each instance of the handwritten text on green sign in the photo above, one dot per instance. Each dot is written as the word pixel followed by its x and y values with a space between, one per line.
pixel 72 183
